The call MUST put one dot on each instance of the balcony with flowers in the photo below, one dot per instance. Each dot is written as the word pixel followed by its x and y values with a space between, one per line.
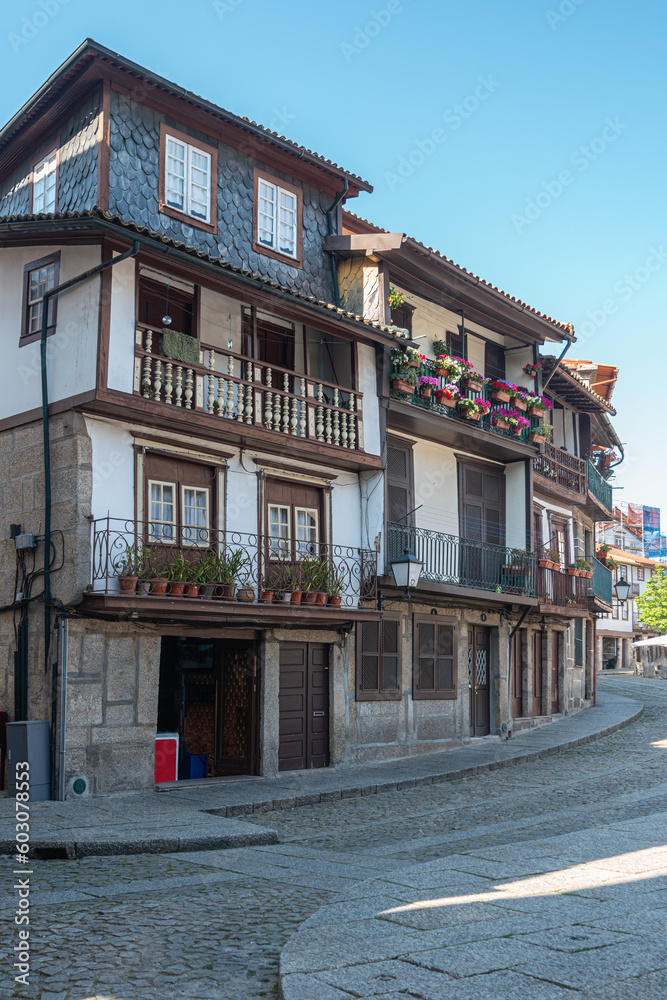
pixel 464 401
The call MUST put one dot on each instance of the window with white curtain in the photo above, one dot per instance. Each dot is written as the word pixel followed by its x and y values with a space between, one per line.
pixel 279 531
pixel 187 179
pixel 277 218
pixel 306 529
pixel 162 498
pixel 44 176
pixel 195 507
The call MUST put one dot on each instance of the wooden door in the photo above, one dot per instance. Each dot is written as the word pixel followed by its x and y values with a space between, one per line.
pixel 303 706
pixel 537 673
pixel 517 674
pixel 478 680
pixel 482 521
pixel 556 644
pixel 399 481
pixel 494 360
pixel 236 750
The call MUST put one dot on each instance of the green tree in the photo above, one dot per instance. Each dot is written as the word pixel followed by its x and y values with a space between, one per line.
pixel 652 605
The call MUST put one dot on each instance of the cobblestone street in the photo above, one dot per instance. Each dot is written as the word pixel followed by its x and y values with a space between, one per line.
pixel 212 923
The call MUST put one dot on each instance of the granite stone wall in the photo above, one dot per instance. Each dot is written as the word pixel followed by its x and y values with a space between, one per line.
pixel 77 170
pixel 133 194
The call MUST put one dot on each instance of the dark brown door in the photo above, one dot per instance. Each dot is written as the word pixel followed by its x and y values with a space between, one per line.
pixel 482 521
pixel 237 708
pixel 537 673
pixel 494 361
pixel 304 706
pixel 478 679
pixel 517 674
pixel 556 640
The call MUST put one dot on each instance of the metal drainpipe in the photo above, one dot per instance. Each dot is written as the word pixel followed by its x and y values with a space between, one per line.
pixel 330 230
pixel 553 370
pixel 64 626
pixel 48 295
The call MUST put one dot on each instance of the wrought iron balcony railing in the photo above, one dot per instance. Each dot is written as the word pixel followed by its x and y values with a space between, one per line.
pixel 558 587
pixel 235 388
pixel 464 562
pixel 598 486
pixel 601 584
pixel 195 553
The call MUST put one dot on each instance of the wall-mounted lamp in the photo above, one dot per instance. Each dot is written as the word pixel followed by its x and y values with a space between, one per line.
pixel 406 569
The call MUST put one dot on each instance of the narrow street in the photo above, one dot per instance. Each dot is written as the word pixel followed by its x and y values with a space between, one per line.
pixel 212 923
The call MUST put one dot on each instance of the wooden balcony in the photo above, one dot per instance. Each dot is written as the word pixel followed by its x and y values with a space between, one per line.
pixel 249 400
pixel 560 474
pixel 561 593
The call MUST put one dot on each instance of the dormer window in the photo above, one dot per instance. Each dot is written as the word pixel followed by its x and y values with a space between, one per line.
pixel 44 184
pixel 188 174
pixel 277 219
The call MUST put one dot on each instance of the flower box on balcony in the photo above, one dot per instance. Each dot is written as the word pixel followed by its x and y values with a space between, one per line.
pixel 443 399
pixel 536 437
pixel 535 411
pixel 398 385
pixel 501 396
pixel 473 384
pixel 573 571
pixel 548 564
pixel 586 574
pixel 519 404
pixel 501 423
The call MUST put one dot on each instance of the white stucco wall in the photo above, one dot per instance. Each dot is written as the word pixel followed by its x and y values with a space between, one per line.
pixel 121 326
pixel 515 505
pixel 71 351
pixel 367 384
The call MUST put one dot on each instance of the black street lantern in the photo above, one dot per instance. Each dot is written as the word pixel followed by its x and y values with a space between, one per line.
pixel 406 570
pixel 622 589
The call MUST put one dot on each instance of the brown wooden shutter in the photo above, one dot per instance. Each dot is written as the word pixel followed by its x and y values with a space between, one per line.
pixel 434 645
pixel 483 505
pixel 379 660
pixel 399 481
pixel 494 361
pixel 455 344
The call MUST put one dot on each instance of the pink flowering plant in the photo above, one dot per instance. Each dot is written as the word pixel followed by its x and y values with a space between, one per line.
pixel 479 407
pixel 449 391
pixel 452 367
pixel 532 369
pixel 427 380
pixel 517 420
pixel 500 415
pixel 540 402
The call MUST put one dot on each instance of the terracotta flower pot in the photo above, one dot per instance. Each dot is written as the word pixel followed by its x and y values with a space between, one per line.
pixel 398 385
pixel 310 597
pixel 334 600
pixel 499 422
pixel 159 586
pixel 321 598
pixel 444 400
pixel 413 364
pixel 472 385
pixel 425 391
pixel 266 597
pixel 571 571
pixel 535 411
pixel 536 438
pixel 472 414
pixel 176 589
pixel 226 591
pixel 128 584
pixel 519 404
pixel 518 431
pixel 442 372
pixel 190 590
pixel 296 597
pixel 500 396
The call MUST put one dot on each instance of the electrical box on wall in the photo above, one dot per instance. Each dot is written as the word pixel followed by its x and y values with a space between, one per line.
pixel 25 541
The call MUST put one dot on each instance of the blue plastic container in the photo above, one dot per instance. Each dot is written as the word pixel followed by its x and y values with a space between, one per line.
pixel 195 765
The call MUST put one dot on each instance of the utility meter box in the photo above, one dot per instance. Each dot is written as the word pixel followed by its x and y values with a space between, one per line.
pixel 29 742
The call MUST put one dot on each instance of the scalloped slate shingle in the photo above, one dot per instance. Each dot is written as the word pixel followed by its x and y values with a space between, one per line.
pixel 77 171
pixel 133 194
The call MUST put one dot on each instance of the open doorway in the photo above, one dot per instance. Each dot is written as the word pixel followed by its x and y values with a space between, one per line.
pixel 208 696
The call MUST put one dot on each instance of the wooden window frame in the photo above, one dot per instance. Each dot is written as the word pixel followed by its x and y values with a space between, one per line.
pixel 464 462
pixel 162 540
pixel 33 166
pixel 640 573
pixel 25 336
pixel 174 213
pixel 394 694
pixel 402 444
pixel 261 248
pixel 446 694
pixel 195 543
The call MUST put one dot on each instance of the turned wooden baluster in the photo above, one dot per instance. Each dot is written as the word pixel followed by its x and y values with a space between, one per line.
pixel 211 382
pixel 302 408
pixel 286 404
pixel 179 385
pixel 230 387
pixel 319 415
pixel 277 410
pixel 157 380
pixel 188 388
pixel 336 418
pixel 168 384
pixel 352 432
pixel 249 395
pixel 268 400
pixel 294 419
pixel 147 379
pixel 343 430
pixel 327 425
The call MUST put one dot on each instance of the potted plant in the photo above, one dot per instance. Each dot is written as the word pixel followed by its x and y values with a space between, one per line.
pixel 450 367
pixel 404 379
pixel 520 399
pixel 295 582
pixel 396 298
pixel 159 578
pixel 209 570
pixel 230 565
pixel 145 570
pixel 266 589
pixel 573 570
pixel 538 405
pixel 500 418
pixel 473 381
pixel 413 359
pixel 550 559
pixel 177 574
pixel 532 368
pixel 426 386
pixel 440 348
pixel 474 409
pixel 501 390
pixel 517 422
pixel 541 434
pixel 335 584
pixel 448 396
pixel 585 569
pixel 128 571
pixel 245 594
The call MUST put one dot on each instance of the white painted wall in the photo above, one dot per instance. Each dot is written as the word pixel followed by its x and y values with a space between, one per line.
pixel 71 351
pixel 514 364
pixel 367 384
pixel 515 505
pixel 113 468
pixel 121 328
pixel 436 488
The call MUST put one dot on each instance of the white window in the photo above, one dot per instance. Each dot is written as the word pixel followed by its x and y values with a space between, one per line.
pixel 187 179
pixel 162 511
pixel 39 281
pixel 305 521
pixel 44 184
pixel 277 213
pixel 279 532
pixel 195 515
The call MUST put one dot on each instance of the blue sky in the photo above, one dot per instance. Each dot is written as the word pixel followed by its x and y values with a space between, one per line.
pixel 526 140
